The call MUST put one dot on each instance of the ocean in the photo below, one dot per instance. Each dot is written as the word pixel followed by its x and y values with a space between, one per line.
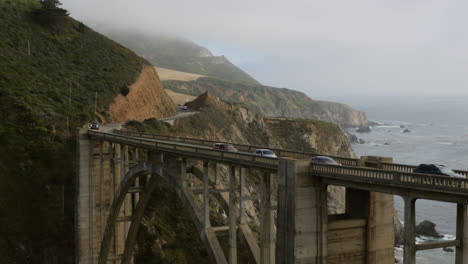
pixel 439 134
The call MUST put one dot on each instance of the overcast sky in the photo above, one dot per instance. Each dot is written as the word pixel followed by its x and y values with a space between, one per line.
pixel 319 47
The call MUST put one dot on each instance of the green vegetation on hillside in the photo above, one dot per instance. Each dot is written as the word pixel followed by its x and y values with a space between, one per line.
pixel 158 240
pixel 37 154
pixel 269 101
pixel 183 55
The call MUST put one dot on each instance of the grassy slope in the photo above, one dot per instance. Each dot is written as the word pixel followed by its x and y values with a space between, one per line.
pixel 182 55
pixel 268 101
pixel 36 157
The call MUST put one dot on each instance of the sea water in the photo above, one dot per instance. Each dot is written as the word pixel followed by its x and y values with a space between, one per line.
pixel 439 134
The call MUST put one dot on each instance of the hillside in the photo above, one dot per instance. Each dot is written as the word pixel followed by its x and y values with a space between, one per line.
pixel 227 81
pixel 40 90
pixel 271 101
pixel 180 54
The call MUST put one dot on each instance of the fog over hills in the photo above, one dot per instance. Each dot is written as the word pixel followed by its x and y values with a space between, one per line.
pixel 326 47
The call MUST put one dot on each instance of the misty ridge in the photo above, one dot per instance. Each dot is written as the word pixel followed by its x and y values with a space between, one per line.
pixel 314 46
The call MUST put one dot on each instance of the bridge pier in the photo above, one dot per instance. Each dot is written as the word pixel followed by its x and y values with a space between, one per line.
pixel 409 254
pixel 267 220
pixel 307 234
pixel 302 215
pixel 462 234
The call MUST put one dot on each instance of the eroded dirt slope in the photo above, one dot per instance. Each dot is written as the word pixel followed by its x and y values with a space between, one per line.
pixel 147 98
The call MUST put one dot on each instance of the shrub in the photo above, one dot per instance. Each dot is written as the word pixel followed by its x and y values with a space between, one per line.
pixel 124 90
pixel 50 14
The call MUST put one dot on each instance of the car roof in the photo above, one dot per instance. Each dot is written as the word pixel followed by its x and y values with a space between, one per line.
pixel 431 165
pixel 262 150
pixel 322 157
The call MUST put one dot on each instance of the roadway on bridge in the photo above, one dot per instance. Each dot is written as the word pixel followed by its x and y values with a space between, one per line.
pixel 110 128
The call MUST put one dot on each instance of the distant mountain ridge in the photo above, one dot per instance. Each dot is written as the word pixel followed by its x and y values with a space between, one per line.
pixel 181 54
pixel 272 102
pixel 228 82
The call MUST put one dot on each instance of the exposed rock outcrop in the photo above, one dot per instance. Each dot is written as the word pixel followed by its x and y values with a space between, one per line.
pixel 146 99
pixel 353 139
pixel 363 129
pixel 399 230
pixel 427 228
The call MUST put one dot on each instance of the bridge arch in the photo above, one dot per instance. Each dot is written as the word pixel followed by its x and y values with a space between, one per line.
pixel 156 171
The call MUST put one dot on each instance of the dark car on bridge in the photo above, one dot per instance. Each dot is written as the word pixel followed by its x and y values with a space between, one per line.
pixel 94 125
pixel 224 147
pixel 437 170
pixel 324 160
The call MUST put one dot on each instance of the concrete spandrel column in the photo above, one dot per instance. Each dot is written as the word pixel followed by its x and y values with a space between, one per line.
pixel 409 253
pixel 136 196
pixel 267 220
pixel 302 214
pixel 243 174
pixel 462 234
pixel 119 235
pixel 183 173
pixel 232 217
pixel 216 174
pixel 206 195
pixel 127 206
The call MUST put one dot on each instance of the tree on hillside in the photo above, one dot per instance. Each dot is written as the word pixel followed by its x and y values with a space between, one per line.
pixel 50 14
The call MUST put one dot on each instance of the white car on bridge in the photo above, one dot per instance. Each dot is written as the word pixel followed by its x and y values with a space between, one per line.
pixel 265 153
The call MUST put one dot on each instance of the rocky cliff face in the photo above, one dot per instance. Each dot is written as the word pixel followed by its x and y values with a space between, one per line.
pixel 226 122
pixel 310 135
pixel 272 102
pixel 146 99
pixel 340 114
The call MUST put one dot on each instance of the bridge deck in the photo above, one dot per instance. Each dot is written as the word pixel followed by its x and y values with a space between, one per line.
pixel 393 178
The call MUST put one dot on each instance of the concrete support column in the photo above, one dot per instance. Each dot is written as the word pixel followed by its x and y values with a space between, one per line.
pixel 183 173
pixel 409 254
pixel 83 231
pixel 302 214
pixel 216 179
pixel 232 217
pixel 267 220
pixel 111 184
pixel 206 195
pixel 380 229
pixel 119 236
pixel 101 179
pixel 136 196
pixel 462 234
pixel 242 175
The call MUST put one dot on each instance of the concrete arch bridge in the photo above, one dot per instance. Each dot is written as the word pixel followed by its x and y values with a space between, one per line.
pixel 118 172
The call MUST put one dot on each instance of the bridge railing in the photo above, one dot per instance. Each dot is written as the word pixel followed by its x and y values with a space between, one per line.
pixel 390 177
pixel 398 167
pixel 199 151
pixel 241 147
pixel 410 168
